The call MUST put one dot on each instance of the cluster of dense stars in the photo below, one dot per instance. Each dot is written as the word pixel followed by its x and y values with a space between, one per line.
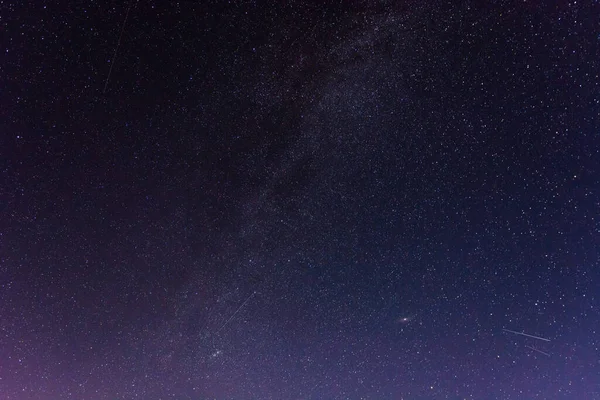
pixel 295 200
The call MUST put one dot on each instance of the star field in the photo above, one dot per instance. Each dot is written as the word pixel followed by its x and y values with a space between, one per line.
pixel 296 200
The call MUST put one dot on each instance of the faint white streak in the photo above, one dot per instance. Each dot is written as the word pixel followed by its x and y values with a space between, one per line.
pixel 525 334
pixel 112 62
pixel 539 351
pixel 236 311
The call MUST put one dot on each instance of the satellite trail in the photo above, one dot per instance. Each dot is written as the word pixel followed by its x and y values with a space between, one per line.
pixel 236 311
pixel 525 334
pixel 539 351
pixel 112 62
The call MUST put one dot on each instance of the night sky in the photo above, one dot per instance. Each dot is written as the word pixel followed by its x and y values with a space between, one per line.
pixel 298 200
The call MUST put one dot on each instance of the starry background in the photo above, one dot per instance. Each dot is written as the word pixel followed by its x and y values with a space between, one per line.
pixel 299 201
